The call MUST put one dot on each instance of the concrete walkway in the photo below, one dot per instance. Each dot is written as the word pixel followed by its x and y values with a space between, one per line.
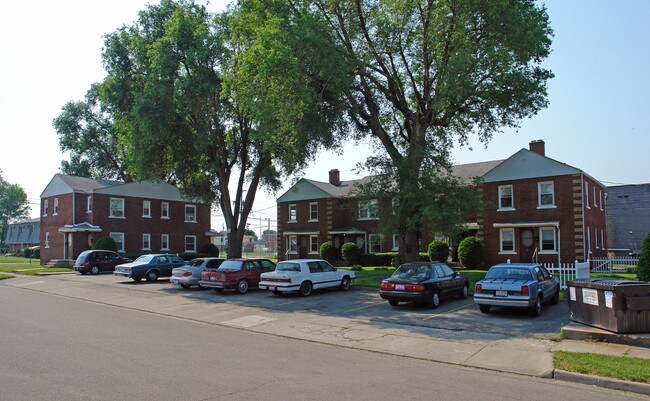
pixel 525 356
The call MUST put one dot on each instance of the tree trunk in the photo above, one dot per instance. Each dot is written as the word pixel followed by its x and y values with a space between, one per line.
pixel 235 247
pixel 409 245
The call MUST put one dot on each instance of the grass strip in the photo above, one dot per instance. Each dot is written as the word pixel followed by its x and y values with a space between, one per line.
pixel 30 269
pixel 4 276
pixel 617 367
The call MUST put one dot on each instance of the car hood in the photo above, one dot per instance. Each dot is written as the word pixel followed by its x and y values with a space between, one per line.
pixel 131 265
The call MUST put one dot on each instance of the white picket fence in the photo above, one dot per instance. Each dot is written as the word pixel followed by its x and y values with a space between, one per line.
pixel 566 272
pixel 617 264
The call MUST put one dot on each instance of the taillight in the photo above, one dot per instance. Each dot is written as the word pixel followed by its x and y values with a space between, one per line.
pixel 277 280
pixel 387 286
pixel 86 264
pixel 187 274
pixel 524 290
pixel 204 276
pixel 479 288
pixel 415 287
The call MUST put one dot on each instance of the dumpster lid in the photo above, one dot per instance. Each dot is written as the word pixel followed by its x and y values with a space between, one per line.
pixel 604 283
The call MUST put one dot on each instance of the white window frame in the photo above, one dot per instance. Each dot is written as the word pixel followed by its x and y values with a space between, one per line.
pixel 120 243
pixel 293 213
pixel 313 209
pixel 596 237
pixel 47 239
pixel 595 199
pixel 374 237
pixel 164 242
pixel 587 194
pixel 368 210
pixel 540 185
pixel 512 251
pixel 600 193
pixel 602 237
pixel 46 206
pixel 542 230
pixel 146 242
pixel 146 208
pixel 291 241
pixel 55 210
pixel 193 238
pixel 588 240
pixel 313 244
pixel 111 210
pixel 512 198
pixel 395 243
pixel 89 204
pixel 164 210
pixel 190 217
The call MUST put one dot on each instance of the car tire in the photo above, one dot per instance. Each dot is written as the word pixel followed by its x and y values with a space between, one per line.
pixel 536 310
pixel 556 297
pixel 186 286
pixel 305 288
pixel 393 302
pixel 345 283
pixel 94 270
pixel 136 279
pixel 484 308
pixel 434 302
pixel 242 286
pixel 152 276
pixel 463 292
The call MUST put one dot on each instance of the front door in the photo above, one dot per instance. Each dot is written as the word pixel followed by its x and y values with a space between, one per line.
pixel 527 245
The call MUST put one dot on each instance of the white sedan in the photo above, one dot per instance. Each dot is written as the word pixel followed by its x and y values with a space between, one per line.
pixel 305 275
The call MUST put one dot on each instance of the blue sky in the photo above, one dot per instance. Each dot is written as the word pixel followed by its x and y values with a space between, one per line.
pixel 597 120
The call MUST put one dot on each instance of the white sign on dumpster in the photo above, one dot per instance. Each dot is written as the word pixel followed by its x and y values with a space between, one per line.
pixel 590 296
pixel 609 295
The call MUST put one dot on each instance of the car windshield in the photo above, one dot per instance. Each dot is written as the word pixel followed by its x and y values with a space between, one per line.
pixel 81 258
pixel 287 267
pixel 511 273
pixel 230 265
pixel 144 259
pixel 195 262
pixel 413 271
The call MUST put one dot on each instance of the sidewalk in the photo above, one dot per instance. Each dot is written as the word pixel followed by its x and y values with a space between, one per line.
pixel 525 356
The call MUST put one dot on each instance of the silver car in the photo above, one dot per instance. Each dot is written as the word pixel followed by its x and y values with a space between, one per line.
pixel 190 274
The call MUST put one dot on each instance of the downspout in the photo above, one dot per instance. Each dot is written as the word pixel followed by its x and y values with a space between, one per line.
pixel 559 247
pixel 582 212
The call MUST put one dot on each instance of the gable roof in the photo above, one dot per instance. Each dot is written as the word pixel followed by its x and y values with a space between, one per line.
pixel 527 164
pixel 65 184
pixel 468 172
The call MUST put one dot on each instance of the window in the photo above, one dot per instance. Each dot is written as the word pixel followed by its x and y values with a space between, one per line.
pixel 293 214
pixel 587 195
pixel 602 237
pixel 546 194
pixel 395 243
pixel 596 236
pixel 117 208
pixel 507 240
pixel 146 208
pixel 368 209
pixel 589 240
pixel 313 244
pixel 190 243
pixel 505 198
pixel 164 210
pixel 119 241
pixel 292 244
pixel 595 200
pixel 46 206
pixel 313 211
pixel 374 243
pixel 547 240
pixel 190 213
pixel 56 207
pixel 89 204
pixel 146 242
pixel 164 242
pixel 47 239
pixel 600 194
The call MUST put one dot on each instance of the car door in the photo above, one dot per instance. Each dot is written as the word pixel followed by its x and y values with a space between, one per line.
pixel 331 276
pixel 454 281
pixel 546 282
pixel 442 282
pixel 164 265
pixel 316 274
pixel 253 269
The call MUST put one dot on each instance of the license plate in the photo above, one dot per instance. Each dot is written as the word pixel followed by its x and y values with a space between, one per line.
pixel 272 288
pixel 500 293
pixel 399 287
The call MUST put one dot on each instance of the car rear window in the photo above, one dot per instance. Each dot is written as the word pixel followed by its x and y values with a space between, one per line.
pixel 81 258
pixel 511 273
pixel 144 259
pixel 413 271
pixel 230 265
pixel 287 267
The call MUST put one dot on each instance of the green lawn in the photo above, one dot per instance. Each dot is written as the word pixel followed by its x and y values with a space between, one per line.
pixel 13 259
pixel 618 367
pixel 29 269
pixel 4 276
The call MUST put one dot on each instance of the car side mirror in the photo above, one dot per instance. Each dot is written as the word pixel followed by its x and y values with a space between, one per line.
pixel 333 268
pixel 456 274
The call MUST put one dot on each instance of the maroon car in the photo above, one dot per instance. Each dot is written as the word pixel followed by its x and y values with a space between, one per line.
pixel 236 274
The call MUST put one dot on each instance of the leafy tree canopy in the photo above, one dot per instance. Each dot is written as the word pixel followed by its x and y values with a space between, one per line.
pixel 13 205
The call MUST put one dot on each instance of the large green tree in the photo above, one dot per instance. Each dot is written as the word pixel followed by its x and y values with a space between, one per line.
pixel 13 205
pixel 428 74
pixel 85 129
pixel 226 104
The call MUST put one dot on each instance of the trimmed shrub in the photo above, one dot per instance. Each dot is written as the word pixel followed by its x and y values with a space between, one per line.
pixel 438 251
pixel 350 252
pixel 328 252
pixel 356 268
pixel 470 252
pixel 643 267
pixel 27 253
pixel 210 249
pixel 105 243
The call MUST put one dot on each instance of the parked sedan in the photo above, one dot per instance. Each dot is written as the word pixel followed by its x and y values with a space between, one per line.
pixel 517 285
pixel 305 275
pixel 236 274
pixel 190 274
pixel 150 267
pixel 423 282
pixel 96 261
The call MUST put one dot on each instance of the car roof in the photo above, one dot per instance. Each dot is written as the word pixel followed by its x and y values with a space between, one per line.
pixel 520 265
pixel 246 259
pixel 303 260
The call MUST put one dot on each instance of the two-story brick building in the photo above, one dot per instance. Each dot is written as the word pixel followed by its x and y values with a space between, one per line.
pixel 141 217
pixel 535 209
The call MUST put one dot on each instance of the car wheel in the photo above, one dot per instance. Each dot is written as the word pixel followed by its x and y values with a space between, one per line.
pixel 152 276
pixel 556 297
pixel 305 288
pixel 345 283
pixel 435 300
pixel 537 308
pixel 242 286
pixel 393 302
pixel 484 308
pixel 186 286
pixel 463 292
pixel 94 270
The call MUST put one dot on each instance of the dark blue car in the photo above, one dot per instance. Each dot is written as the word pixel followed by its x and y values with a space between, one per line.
pixel 150 267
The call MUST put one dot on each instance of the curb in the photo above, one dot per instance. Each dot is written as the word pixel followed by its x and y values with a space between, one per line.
pixel 615 384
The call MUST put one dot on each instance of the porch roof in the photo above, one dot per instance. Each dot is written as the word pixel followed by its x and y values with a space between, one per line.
pixel 516 224
pixel 81 227
pixel 347 230
pixel 300 232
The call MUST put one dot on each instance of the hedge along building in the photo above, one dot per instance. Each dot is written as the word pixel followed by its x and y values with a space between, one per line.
pixel 141 217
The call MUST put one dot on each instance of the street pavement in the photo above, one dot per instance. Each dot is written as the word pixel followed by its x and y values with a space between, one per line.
pixel 524 355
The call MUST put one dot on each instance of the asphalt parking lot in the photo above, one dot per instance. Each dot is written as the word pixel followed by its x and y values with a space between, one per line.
pixel 453 319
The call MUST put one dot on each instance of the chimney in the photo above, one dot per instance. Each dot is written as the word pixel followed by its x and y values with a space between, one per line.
pixel 335 177
pixel 538 147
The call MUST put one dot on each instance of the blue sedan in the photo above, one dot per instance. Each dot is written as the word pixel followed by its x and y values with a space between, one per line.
pixel 149 267
pixel 517 285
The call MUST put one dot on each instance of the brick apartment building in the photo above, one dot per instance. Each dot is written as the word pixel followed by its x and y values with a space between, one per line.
pixel 142 217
